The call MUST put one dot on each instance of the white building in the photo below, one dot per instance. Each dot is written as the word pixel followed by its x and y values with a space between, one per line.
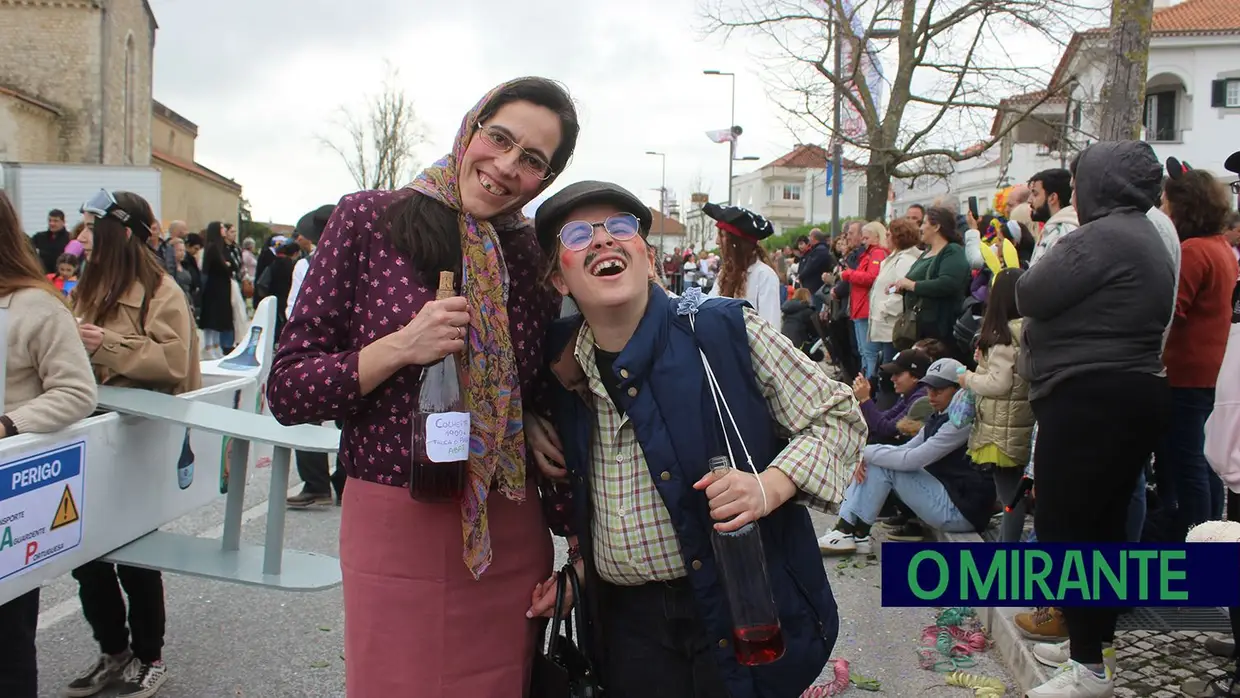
pixel 790 191
pixel 1192 104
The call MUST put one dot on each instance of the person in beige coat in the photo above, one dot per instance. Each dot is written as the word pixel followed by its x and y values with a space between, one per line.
pixel 47 387
pixel 136 325
pixel 1003 426
pixel 885 305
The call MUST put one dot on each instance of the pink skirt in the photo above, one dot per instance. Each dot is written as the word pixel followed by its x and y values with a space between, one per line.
pixel 417 624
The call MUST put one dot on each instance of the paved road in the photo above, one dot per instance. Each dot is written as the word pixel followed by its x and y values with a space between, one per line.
pixel 226 641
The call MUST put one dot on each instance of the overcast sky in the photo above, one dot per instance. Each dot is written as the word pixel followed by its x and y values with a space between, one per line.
pixel 263 78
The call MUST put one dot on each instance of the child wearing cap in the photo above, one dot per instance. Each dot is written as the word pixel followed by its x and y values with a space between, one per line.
pixel 906 371
pixel 638 422
pixel 931 474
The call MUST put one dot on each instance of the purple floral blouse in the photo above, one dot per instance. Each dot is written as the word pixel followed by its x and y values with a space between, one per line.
pixel 359 289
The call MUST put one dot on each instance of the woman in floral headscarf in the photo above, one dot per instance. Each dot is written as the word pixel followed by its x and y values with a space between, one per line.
pixel 436 594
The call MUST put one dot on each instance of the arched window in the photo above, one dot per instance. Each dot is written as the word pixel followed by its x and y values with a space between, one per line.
pixel 128 105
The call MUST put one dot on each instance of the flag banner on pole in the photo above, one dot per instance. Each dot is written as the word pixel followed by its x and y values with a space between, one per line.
pixel 869 69
pixel 1061 574
pixel 723 135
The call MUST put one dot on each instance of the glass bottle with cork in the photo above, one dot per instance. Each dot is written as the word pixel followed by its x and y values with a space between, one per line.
pixel 741 561
pixel 440 468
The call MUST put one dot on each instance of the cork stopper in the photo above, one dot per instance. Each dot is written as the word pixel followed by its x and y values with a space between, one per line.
pixel 445 286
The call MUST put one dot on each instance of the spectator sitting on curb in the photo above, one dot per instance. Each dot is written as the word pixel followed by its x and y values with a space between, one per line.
pixel 931 474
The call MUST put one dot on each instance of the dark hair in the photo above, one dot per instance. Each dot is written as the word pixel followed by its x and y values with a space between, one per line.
pixel 426 230
pixel 56 213
pixel 903 234
pixel 1233 220
pixel 946 220
pixel 1057 181
pixel 118 262
pixel 1000 310
pixel 70 259
pixel 934 348
pixel 802 239
pixel 1197 204
pixel 919 207
pixel 289 249
pixel 193 239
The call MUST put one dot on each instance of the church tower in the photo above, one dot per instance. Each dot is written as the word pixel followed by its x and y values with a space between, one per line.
pixel 76 80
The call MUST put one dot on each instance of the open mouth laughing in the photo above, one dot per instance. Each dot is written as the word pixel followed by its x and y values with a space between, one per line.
pixel 607 265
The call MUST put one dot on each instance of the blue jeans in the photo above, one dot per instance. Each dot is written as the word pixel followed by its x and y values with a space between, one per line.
pixel 867 349
pixel 1185 480
pixel 920 491
pixel 886 352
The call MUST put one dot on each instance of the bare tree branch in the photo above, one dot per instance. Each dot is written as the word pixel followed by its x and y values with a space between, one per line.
pixel 951 76
pixel 379 146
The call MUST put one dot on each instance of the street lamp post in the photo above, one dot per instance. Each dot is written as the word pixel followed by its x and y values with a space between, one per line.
pixel 731 124
pixel 662 198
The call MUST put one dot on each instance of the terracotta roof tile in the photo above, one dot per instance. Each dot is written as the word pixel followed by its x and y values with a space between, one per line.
pixel 671 226
pixel 809 157
pixel 1198 16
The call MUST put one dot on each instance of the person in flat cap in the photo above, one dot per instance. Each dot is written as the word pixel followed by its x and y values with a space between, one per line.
pixel 744 270
pixel 641 422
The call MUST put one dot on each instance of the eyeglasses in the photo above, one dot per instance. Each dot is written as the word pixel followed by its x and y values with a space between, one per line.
pixel 577 235
pixel 501 142
pixel 103 205
pixel 1235 187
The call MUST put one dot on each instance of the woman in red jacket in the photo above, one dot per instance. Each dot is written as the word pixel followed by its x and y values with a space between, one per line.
pixel 859 281
pixel 1197 203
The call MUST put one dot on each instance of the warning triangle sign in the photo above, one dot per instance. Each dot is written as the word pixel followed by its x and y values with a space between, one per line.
pixel 66 512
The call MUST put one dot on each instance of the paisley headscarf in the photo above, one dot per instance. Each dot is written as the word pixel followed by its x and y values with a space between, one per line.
pixel 493 390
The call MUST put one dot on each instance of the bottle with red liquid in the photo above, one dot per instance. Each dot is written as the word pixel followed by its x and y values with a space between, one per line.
pixel 742 568
pixel 440 465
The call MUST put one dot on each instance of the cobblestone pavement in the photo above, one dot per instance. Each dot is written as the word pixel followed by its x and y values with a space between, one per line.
pixel 1155 664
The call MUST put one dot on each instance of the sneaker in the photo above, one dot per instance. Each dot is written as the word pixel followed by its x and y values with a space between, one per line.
pixel 896 522
pixel 106 669
pixel 910 532
pixel 1044 624
pixel 1074 680
pixel 143 679
pixel 840 543
pixel 308 499
pixel 1056 654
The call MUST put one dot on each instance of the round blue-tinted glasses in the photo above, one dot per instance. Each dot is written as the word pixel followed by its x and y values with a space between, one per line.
pixel 577 235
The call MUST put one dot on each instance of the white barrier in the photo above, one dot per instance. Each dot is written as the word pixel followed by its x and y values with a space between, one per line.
pixel 102 487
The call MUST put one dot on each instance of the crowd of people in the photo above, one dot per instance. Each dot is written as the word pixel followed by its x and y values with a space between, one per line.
pixel 1074 333
pixel 1081 329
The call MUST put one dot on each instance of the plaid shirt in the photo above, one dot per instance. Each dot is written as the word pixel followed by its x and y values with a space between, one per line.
pixel 634 541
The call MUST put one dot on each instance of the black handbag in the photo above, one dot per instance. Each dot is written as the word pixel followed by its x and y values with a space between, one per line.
pixel 561 668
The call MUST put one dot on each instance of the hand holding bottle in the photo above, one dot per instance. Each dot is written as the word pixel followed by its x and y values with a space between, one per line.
pixel 736 499
pixel 437 330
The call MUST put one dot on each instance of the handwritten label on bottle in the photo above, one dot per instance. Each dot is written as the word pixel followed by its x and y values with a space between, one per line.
pixel 447 437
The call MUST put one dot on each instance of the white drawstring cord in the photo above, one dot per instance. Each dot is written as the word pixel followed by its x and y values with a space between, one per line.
pixel 716 394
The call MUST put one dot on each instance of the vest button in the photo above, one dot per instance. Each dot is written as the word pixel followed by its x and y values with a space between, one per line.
pixel 697 565
pixel 624 373
pixel 665 476
pixel 723 644
pixel 632 392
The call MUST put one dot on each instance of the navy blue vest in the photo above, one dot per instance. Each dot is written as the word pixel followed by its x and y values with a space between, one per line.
pixel 667 399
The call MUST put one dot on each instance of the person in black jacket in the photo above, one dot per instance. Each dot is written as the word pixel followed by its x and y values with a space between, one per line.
pixel 798 324
pixel 816 260
pixel 50 243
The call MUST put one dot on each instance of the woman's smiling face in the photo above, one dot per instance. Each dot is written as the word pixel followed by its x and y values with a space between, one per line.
pixel 494 182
